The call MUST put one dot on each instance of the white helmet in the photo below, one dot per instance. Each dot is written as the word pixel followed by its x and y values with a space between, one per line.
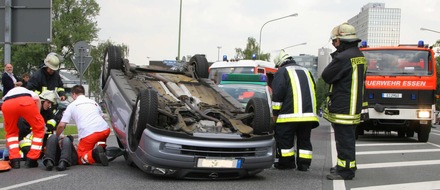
pixel 344 32
pixel 48 95
pixel 281 58
pixel 52 61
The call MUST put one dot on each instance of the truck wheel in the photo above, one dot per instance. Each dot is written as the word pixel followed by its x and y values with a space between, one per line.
pixel 260 121
pixel 112 60
pixel 409 133
pixel 201 65
pixel 145 112
pixel 423 135
pixel 401 133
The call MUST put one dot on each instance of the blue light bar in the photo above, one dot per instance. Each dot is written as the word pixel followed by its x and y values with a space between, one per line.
pixel 254 56
pixel 364 44
pixel 225 57
pixel 421 43
pixel 413 97
pixel 371 96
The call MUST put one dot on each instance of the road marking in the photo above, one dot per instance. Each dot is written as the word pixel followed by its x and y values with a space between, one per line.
pixel 337 184
pixel 433 144
pixel 388 144
pixel 418 185
pixel 396 151
pixel 435 134
pixel 32 182
pixel 397 164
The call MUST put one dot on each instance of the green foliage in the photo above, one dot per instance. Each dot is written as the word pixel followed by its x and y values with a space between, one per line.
pixel 321 91
pixel 94 70
pixel 252 47
pixel 72 21
pixel 2 133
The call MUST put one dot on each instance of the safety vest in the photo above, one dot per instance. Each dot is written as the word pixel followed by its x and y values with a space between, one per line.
pixel 301 91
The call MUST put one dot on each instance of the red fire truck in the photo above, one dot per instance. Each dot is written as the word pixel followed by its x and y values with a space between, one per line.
pixel 400 87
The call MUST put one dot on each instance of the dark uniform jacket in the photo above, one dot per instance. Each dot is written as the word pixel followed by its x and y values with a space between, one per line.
pixel 293 98
pixel 7 83
pixel 41 81
pixel 346 76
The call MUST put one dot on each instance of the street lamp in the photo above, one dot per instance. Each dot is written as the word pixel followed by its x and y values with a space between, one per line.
pixel 218 53
pixel 429 30
pixel 259 42
pixel 304 43
pixel 180 26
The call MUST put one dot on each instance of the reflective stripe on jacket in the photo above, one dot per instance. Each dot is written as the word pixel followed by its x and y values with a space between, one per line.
pixel 294 97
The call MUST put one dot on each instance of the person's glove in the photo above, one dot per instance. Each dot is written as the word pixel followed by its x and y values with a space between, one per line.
pixel 50 124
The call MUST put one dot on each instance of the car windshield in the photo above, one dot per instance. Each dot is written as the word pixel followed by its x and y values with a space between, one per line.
pixel 398 62
pixel 244 92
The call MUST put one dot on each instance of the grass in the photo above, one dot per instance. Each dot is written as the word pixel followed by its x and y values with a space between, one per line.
pixel 69 130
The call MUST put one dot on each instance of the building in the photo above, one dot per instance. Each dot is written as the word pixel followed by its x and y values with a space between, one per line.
pixel 377 25
pixel 324 58
pixel 308 61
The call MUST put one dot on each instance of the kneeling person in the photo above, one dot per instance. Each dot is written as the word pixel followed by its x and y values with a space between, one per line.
pixel 92 128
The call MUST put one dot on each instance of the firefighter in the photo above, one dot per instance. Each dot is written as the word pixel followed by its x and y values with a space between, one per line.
pixel 294 113
pixel 346 75
pixel 21 102
pixel 48 78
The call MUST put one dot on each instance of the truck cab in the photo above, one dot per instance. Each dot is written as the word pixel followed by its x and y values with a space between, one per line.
pixel 400 89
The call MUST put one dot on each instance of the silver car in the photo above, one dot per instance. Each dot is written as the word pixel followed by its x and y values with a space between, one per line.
pixel 178 123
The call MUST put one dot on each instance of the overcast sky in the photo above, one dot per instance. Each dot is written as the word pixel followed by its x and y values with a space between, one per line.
pixel 150 28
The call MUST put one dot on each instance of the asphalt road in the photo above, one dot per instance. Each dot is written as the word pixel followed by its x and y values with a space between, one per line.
pixel 384 162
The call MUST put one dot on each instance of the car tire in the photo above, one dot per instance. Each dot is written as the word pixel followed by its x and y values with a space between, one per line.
pixel 201 65
pixel 423 134
pixel 260 121
pixel 112 60
pixel 145 112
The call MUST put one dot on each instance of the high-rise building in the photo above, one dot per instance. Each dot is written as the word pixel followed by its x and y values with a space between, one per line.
pixel 377 25
pixel 308 61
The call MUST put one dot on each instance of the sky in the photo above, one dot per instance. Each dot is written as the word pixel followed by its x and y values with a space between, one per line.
pixel 150 28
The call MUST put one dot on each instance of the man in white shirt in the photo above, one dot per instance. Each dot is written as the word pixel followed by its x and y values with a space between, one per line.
pixel 92 128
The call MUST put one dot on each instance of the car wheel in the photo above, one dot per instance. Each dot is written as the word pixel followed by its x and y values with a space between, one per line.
pixel 201 65
pixel 112 60
pixel 145 112
pixel 423 135
pixel 260 121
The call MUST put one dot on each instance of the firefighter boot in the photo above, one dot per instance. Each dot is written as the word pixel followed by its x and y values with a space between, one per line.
pixel 15 163
pixel 99 155
pixel 30 163
pixel 49 165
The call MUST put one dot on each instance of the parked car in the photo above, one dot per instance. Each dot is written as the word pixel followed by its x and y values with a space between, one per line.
pixel 179 123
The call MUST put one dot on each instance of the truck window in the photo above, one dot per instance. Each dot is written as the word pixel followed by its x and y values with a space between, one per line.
pixel 398 62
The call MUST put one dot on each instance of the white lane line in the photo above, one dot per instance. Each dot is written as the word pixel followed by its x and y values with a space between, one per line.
pixel 433 144
pixel 396 151
pixel 337 184
pixel 388 144
pixel 397 164
pixel 438 134
pixel 32 182
pixel 402 186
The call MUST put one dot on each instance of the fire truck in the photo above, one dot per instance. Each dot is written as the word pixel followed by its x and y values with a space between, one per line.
pixel 400 88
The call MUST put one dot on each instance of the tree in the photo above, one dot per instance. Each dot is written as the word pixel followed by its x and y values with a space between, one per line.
pixel 321 92
pixel 72 21
pixel 251 48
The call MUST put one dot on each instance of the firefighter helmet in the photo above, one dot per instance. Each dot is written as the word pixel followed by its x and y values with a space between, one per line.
pixel 344 32
pixel 52 61
pixel 281 58
pixel 48 95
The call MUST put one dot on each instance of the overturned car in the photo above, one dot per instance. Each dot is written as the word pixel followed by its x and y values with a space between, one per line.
pixel 177 123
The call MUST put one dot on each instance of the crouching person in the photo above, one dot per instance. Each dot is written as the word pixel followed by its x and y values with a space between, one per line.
pixel 93 130
pixel 60 152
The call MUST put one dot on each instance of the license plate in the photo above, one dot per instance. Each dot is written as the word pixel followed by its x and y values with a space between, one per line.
pixel 218 163
pixel 391 95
